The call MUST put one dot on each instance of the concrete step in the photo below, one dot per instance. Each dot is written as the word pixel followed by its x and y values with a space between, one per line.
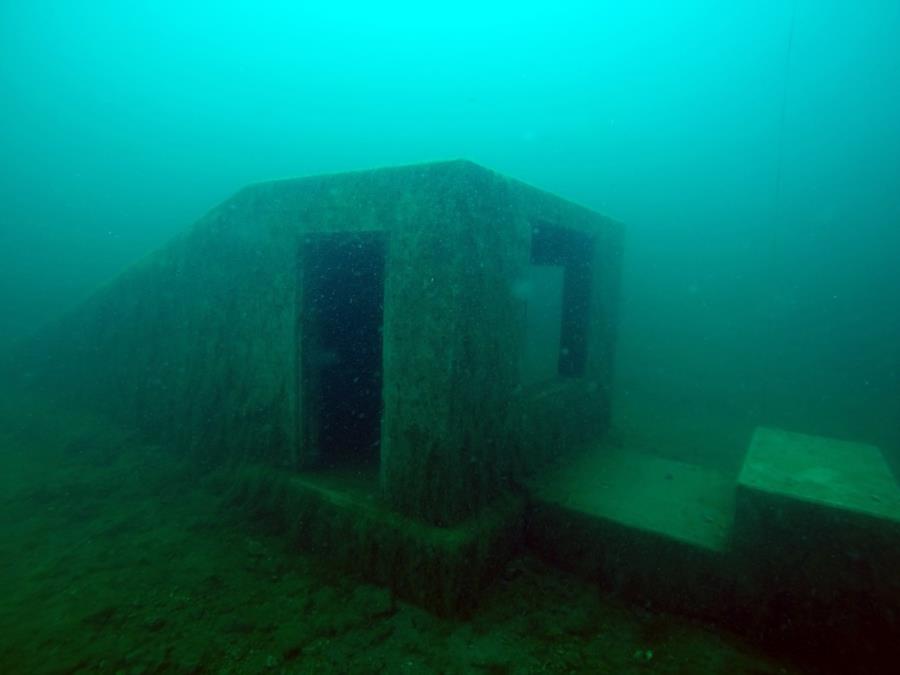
pixel 689 503
pixel 654 529
pixel 340 517
pixel 818 513
pixel 825 474
pixel 817 541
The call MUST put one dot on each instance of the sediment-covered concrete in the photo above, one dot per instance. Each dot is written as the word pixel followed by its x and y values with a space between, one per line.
pixel 202 344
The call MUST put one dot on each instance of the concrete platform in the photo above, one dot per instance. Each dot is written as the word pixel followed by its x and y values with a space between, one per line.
pixel 830 473
pixel 653 529
pixel 817 538
pixel 688 503
pixel 341 518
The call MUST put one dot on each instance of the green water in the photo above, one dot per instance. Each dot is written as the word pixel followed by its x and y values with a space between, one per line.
pixel 750 149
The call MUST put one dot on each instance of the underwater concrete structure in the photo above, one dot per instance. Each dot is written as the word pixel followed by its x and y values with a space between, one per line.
pixel 408 373
pixel 393 349
pixel 800 550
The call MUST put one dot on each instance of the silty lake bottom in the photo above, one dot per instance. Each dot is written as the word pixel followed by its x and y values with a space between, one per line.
pixel 123 558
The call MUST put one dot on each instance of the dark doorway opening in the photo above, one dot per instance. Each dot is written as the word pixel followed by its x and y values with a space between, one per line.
pixel 341 313
pixel 574 252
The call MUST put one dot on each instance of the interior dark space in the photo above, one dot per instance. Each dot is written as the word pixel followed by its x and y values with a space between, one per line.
pixel 341 343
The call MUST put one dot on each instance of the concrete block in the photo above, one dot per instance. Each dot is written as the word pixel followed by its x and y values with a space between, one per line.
pixel 342 519
pixel 821 472
pixel 817 535
pixel 652 529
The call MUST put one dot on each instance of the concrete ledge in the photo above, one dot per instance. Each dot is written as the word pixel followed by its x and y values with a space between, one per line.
pixel 341 519
pixel 654 530
pixel 828 474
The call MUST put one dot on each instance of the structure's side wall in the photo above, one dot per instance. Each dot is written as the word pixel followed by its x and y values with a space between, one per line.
pixel 556 416
pixel 194 345
pixel 451 335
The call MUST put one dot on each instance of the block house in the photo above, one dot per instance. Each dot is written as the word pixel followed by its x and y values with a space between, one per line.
pixel 393 369
pixel 422 337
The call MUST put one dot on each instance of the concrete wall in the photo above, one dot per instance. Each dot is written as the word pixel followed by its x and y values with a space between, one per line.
pixel 197 344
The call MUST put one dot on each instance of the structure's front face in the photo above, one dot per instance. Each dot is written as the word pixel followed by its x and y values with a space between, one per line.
pixel 441 325
pixel 477 322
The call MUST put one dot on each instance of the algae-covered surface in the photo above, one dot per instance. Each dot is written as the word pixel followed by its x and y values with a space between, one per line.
pixel 118 557
pixel 683 501
pixel 824 471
